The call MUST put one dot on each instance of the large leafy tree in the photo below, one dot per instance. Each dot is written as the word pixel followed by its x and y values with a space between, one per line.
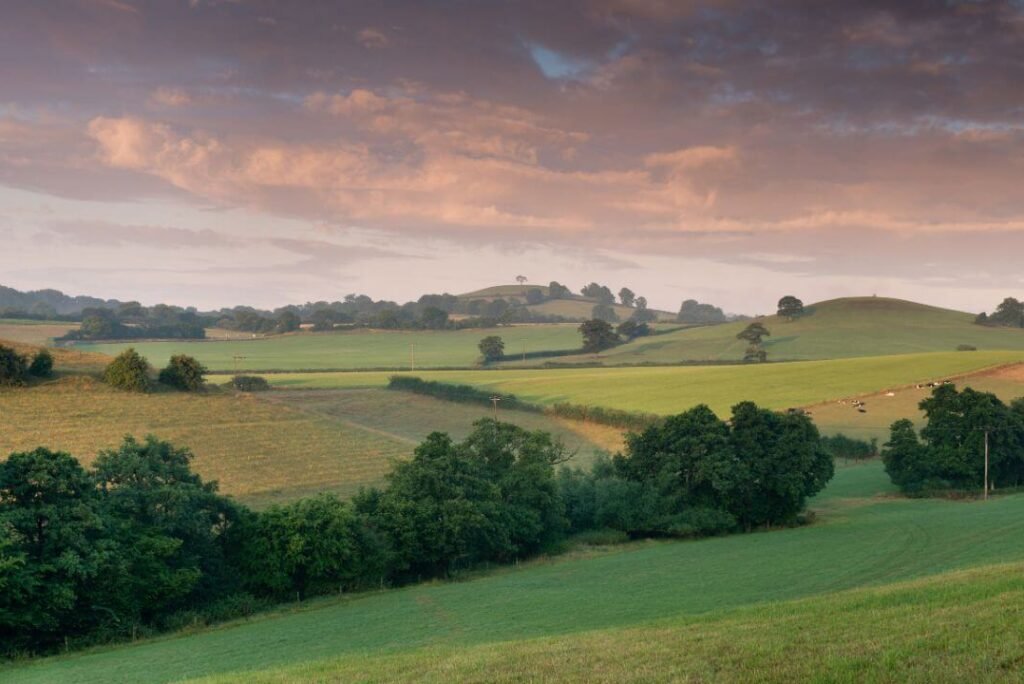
pixel 13 367
pixel 57 549
pixel 627 297
pixel 316 545
pixel 128 371
pixel 184 373
pixel 492 348
pixel 790 307
pixel 149 487
pixel 753 335
pixel 597 335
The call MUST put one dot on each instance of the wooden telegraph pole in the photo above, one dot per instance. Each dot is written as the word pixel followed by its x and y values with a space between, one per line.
pixel 986 465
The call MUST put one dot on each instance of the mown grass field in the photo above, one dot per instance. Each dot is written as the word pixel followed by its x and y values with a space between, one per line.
pixel 352 349
pixel 258 451
pixel 261 451
pixel 411 417
pixel 840 328
pixel 40 333
pixel 882 411
pixel 668 390
pixel 716 599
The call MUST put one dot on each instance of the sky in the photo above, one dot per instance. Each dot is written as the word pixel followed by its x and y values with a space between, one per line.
pixel 222 152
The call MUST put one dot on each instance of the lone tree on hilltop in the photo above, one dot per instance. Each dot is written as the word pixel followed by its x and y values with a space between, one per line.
pixel 790 307
pixel 753 334
pixel 184 372
pixel 129 371
pixel 520 279
pixel 598 335
pixel 627 296
pixel 492 348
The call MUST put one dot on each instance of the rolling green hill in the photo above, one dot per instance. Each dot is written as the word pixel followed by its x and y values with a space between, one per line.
pixel 677 607
pixel 839 328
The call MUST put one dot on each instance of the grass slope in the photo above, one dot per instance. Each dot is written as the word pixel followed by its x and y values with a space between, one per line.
pixel 258 451
pixel 352 349
pixel 840 328
pixel 672 389
pixel 33 332
pixel 410 417
pixel 864 539
pixel 956 627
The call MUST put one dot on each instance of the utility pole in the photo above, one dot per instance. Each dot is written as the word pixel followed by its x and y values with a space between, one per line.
pixel 494 400
pixel 986 465
pixel 412 356
pixel 524 350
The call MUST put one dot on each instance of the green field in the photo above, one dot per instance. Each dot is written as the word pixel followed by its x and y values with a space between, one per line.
pixel 352 349
pixel 704 592
pixel 673 389
pixel 840 328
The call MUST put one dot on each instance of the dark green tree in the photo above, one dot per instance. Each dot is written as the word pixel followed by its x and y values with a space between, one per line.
pixel 287 321
pixel 1010 313
pixel 696 313
pixel 599 292
pixel 492 348
pixel 42 364
pixel 627 297
pixel 632 329
pixel 59 547
pixel 790 307
pixel 597 335
pixel 128 371
pixel 434 318
pixel 604 312
pixel 184 373
pixel 534 295
pixel 13 367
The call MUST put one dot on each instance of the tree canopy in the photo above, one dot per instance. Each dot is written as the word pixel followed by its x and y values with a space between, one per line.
pixel 598 335
pixel 790 307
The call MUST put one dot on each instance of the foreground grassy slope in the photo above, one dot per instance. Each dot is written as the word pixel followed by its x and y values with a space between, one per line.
pixel 863 539
pixel 672 389
pixel 956 627
pixel 840 328
pixel 352 349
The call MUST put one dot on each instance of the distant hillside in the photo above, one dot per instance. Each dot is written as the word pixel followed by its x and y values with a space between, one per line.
pixel 575 307
pixel 44 302
pixel 838 328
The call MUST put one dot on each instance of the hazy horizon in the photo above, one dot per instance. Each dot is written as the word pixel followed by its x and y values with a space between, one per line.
pixel 214 153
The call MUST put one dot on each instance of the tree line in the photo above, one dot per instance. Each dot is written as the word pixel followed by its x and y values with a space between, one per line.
pixel 948 453
pixel 138 543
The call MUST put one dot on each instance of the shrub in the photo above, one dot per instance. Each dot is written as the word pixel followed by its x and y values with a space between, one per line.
pixel 13 367
pixel 42 364
pixel 249 383
pixel 183 372
pixel 129 371
pixel 966 347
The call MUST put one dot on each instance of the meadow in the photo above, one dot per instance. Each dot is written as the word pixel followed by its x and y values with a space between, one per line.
pixel 261 450
pixel 715 597
pixel 351 349
pixel 840 328
pixel 40 333
pixel 672 389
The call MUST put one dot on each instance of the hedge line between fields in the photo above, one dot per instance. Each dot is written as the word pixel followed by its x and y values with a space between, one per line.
pixel 467 394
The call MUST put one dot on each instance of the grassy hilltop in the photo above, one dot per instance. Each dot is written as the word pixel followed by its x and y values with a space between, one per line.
pixel 725 603
pixel 839 328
